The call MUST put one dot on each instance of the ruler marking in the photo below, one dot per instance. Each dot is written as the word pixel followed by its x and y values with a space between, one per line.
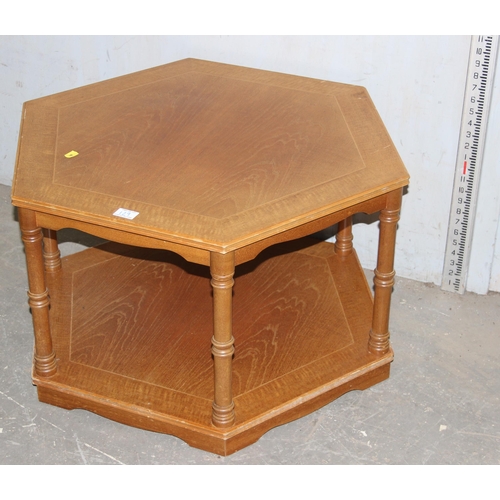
pixel 477 97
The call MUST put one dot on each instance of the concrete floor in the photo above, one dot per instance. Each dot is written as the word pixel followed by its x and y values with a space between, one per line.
pixel 440 406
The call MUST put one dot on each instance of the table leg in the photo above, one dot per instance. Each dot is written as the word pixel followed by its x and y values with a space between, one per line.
pixel 343 239
pixel 384 274
pixel 51 254
pixel 45 360
pixel 222 271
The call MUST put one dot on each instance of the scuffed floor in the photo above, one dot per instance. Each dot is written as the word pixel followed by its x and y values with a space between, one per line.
pixel 440 406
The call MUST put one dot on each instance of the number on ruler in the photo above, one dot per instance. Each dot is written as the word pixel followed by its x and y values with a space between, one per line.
pixel 469 158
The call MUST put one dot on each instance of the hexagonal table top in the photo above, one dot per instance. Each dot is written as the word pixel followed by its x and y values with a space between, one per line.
pixel 204 152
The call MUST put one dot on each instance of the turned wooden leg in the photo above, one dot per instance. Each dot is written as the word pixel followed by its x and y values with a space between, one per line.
pixel 384 274
pixel 45 360
pixel 343 239
pixel 222 271
pixel 51 254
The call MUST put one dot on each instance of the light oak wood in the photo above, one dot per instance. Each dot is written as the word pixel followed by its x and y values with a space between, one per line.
pixel 210 317
pixel 222 271
pixel 144 344
pixel 51 253
pixel 343 239
pixel 212 156
pixel 384 274
pixel 44 359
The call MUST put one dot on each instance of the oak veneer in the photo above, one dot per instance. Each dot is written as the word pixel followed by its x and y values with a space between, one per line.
pixel 210 316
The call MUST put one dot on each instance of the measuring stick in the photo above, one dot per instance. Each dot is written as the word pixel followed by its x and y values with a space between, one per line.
pixel 480 74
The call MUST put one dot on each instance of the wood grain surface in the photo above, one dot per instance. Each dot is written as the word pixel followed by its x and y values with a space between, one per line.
pixel 219 155
pixel 144 340
pixel 210 317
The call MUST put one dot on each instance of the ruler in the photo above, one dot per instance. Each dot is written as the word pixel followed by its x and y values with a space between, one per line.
pixel 477 98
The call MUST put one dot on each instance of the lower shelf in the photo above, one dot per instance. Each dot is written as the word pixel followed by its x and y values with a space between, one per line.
pixel 132 334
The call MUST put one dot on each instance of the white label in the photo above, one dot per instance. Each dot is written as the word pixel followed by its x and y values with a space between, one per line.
pixel 126 214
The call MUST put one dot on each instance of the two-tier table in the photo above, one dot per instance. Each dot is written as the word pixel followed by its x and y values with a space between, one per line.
pixel 206 179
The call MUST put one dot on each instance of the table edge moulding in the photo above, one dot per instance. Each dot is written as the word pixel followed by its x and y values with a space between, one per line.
pixel 211 313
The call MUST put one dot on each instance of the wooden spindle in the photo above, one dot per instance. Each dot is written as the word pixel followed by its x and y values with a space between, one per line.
pixel 343 239
pixel 384 274
pixel 51 253
pixel 222 271
pixel 45 360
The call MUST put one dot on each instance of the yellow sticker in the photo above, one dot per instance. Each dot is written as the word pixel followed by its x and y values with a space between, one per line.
pixel 71 154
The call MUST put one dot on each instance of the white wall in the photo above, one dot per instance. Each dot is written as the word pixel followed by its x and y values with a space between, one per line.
pixel 417 84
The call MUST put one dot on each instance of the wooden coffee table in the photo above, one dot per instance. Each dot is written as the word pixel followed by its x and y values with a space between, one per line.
pixel 206 179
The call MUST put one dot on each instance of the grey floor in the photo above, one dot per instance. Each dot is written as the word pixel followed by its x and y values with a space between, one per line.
pixel 441 404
